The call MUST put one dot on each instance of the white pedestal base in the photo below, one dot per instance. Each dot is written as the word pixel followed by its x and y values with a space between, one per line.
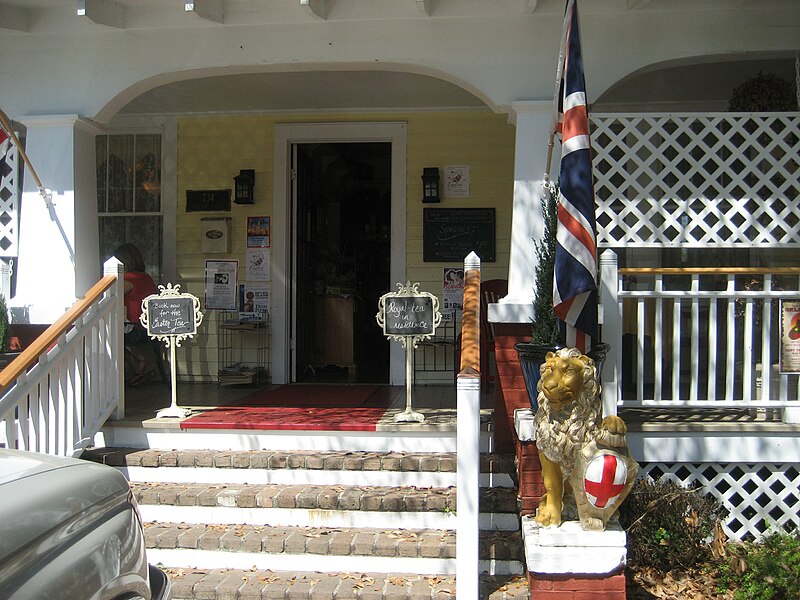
pixel 409 416
pixel 570 549
pixel 173 411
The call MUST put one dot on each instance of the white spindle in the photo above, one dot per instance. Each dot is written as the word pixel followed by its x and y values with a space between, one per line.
pixel 730 362
pixel 747 341
pixel 676 348
pixel 694 327
pixel 658 340
pixel 641 332
pixel 712 334
pixel 766 346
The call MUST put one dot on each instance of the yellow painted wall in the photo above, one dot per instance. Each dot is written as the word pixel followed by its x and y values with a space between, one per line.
pixel 212 150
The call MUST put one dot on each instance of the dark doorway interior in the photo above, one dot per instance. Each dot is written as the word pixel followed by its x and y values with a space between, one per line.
pixel 342 260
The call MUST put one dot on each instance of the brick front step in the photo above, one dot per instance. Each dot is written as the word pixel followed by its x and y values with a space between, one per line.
pixel 426 543
pixel 341 513
pixel 329 506
pixel 320 497
pixel 370 463
pixel 331 550
pixel 233 584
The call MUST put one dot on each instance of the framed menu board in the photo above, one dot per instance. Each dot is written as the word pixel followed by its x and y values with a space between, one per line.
pixel 450 234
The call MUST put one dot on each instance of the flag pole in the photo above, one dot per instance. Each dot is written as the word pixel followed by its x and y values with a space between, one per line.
pixel 562 51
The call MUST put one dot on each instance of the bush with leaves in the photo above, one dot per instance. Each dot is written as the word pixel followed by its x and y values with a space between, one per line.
pixel 764 92
pixel 765 570
pixel 669 526
pixel 545 322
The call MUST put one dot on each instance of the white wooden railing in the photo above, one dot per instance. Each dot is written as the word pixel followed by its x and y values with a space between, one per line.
pixel 57 394
pixel 697 336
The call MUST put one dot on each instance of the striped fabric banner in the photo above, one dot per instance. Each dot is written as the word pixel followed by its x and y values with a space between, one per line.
pixel 575 285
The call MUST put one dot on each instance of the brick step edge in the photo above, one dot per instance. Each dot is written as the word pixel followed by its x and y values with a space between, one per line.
pixel 230 584
pixel 405 543
pixel 333 497
pixel 305 460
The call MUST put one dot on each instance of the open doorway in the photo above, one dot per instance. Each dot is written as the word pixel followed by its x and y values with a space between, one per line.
pixel 341 262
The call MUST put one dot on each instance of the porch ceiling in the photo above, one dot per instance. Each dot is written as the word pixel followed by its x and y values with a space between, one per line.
pixel 303 91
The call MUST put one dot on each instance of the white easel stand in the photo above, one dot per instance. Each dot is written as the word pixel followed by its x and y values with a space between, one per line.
pixel 408 415
pixel 173 410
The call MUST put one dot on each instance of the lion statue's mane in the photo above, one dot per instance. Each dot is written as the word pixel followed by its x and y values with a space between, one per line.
pixel 560 434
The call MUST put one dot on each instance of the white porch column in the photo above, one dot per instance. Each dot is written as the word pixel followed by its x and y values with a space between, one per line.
pixel 58 245
pixel 532 120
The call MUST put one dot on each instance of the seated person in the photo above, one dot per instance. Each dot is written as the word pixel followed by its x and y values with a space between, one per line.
pixel 138 286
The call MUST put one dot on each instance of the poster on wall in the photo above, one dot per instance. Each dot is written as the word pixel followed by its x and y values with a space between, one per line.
pixel 452 292
pixel 257 264
pixel 790 336
pixel 456 181
pixel 221 284
pixel 258 232
pixel 254 301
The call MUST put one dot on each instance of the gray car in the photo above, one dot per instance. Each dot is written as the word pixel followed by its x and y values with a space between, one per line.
pixel 71 529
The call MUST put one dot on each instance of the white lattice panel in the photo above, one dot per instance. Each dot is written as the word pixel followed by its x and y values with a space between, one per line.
pixel 758 496
pixel 725 179
pixel 9 200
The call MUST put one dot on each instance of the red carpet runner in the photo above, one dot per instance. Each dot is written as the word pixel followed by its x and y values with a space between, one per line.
pixel 301 408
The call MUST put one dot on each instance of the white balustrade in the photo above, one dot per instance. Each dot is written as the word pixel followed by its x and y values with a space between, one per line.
pixel 58 404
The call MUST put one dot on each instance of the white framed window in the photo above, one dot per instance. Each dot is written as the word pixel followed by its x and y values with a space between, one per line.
pixel 129 198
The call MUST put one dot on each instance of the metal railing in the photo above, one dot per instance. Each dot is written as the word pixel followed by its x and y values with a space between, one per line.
pixel 58 393
pixel 697 337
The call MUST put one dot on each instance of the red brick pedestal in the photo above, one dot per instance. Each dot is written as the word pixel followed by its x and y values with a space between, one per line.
pixel 577 587
pixel 529 478
pixel 511 392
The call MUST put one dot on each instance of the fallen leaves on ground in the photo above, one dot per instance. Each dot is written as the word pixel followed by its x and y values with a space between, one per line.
pixel 648 584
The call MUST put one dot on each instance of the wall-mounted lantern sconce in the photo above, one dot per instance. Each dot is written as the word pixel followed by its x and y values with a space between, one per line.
pixel 243 186
pixel 430 184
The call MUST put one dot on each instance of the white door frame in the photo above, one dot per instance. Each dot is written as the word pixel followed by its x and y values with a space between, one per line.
pixel 301 133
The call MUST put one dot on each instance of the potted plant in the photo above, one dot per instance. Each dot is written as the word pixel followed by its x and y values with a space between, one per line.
pixel 545 334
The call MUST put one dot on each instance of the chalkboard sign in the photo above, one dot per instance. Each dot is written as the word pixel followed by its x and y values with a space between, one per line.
pixel 408 315
pixel 170 316
pixel 198 200
pixel 450 234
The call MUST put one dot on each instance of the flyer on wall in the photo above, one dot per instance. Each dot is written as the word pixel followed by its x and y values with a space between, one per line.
pixel 790 336
pixel 258 264
pixel 255 302
pixel 258 232
pixel 453 292
pixel 221 284
pixel 456 181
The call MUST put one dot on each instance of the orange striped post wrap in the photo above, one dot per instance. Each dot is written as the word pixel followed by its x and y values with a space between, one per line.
pixel 470 323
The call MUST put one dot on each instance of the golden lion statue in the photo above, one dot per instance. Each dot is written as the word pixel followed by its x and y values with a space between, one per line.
pixel 578 450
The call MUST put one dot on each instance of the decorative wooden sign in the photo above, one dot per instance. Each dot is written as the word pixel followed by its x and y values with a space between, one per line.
pixel 450 234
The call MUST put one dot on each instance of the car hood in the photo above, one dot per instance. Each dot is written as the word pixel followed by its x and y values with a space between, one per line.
pixel 39 493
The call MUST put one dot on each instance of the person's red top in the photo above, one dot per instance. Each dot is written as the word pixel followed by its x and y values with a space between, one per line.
pixel 143 286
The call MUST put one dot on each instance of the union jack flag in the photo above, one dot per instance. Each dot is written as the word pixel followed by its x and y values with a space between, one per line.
pixel 574 285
